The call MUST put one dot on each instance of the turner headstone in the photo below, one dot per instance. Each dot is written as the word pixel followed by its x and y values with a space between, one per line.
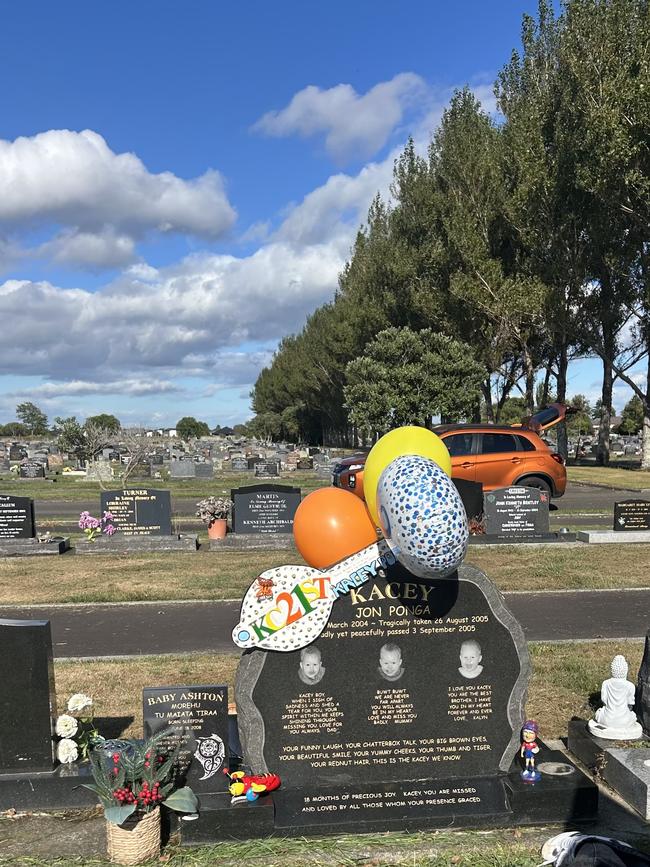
pixel 139 512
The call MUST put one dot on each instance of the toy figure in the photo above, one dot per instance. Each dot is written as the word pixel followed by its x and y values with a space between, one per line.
pixel 248 787
pixel 529 750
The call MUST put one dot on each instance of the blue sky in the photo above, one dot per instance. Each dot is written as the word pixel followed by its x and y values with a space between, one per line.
pixel 180 184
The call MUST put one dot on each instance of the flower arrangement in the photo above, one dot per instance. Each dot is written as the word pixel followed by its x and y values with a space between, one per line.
pixel 94 527
pixel 213 509
pixel 134 777
pixel 77 730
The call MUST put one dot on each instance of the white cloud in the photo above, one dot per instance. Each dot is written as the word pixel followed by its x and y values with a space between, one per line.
pixel 353 124
pixel 80 388
pixel 103 201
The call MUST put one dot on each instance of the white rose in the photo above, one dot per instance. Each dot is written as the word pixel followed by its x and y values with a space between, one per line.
pixel 66 751
pixel 79 704
pixel 66 726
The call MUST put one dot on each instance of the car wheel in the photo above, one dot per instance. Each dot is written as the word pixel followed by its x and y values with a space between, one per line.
pixel 537 483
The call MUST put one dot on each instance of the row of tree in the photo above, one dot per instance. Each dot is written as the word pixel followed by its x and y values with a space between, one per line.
pixel 512 248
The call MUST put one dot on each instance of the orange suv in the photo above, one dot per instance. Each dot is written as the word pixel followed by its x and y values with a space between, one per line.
pixel 498 456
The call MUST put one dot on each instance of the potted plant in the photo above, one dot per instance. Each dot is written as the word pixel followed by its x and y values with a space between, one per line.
pixel 214 512
pixel 132 779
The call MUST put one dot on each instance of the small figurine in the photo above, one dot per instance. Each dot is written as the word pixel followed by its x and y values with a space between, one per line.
pixel 248 787
pixel 529 750
pixel 615 721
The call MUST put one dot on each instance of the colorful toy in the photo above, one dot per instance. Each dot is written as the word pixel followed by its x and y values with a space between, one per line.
pixel 529 750
pixel 248 787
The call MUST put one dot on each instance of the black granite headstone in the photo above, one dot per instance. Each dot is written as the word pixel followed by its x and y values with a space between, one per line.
pixel 264 508
pixel 16 517
pixel 202 712
pixel 413 694
pixel 16 453
pixel 632 515
pixel 139 512
pixel 32 470
pixel 267 469
pixel 471 493
pixel 642 703
pixel 516 512
pixel 27 696
pixel 156 460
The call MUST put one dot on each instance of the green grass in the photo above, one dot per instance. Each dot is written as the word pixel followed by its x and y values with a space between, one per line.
pixel 611 477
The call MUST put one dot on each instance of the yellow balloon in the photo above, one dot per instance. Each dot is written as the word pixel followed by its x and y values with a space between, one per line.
pixel 395 444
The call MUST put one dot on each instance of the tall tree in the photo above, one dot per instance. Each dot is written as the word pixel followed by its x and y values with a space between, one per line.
pixel 32 417
pixel 106 421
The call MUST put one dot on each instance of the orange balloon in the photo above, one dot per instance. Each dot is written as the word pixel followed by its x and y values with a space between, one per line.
pixel 331 524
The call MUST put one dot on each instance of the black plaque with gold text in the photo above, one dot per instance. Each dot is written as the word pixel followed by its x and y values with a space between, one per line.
pixel 139 511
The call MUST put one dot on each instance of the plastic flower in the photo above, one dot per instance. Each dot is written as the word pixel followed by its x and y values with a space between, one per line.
pixel 66 726
pixel 66 751
pixel 80 704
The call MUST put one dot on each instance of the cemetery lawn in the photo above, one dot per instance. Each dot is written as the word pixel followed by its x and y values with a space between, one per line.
pixel 610 477
pixel 227 574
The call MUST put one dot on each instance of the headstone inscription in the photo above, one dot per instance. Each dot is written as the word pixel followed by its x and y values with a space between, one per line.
pixel 632 515
pixel 139 512
pixel 202 712
pixel 27 683
pixel 407 706
pixel 516 512
pixel 264 508
pixel 32 470
pixel 16 517
pixel 267 469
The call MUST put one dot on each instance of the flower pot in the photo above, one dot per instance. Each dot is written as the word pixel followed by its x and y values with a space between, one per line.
pixel 136 840
pixel 217 529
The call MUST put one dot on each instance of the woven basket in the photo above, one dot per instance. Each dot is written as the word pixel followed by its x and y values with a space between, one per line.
pixel 136 841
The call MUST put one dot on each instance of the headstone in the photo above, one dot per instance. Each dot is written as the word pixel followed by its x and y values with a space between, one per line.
pixel 632 515
pixel 139 512
pixel 5 466
pixel 54 463
pixel 516 512
pixel 16 517
pixel 305 464
pixel 156 460
pixel 27 696
pixel 99 471
pixel 16 453
pixel 264 508
pixel 32 470
pixel 267 469
pixel 642 702
pixel 182 470
pixel 408 704
pixel 203 710
pixel 471 493
pixel 251 461
pixel 204 470
pixel 239 465
pixel 142 471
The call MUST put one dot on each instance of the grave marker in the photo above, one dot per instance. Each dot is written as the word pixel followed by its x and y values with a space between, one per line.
pixel 16 517
pixel 32 470
pixel 632 515
pixel 516 512
pixel 264 508
pixel 267 469
pixel 139 512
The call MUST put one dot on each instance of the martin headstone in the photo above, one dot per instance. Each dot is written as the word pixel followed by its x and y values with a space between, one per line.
pixel 202 712
pixel 139 512
pixel 27 697
pixel 264 508
pixel 267 469
pixel 516 512
pixel 32 470
pixel 407 706
pixel 632 515
pixel 16 517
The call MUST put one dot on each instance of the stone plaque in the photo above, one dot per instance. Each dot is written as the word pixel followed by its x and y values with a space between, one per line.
pixel 632 515
pixel 139 512
pixel 267 469
pixel 264 508
pixel 32 470
pixel 516 512
pixel 54 462
pixel 16 453
pixel 305 464
pixel 27 696
pixel 204 470
pixel 182 469
pixel 239 465
pixel 203 710
pixel 414 693
pixel 16 517
pixel 5 466
pixel 156 460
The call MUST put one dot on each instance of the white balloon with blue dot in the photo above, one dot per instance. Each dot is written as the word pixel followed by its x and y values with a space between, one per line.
pixel 422 516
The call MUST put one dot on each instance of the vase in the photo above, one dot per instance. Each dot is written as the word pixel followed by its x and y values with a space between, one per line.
pixel 135 841
pixel 217 528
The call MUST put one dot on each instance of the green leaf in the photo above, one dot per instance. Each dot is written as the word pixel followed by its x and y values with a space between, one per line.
pixel 117 815
pixel 182 800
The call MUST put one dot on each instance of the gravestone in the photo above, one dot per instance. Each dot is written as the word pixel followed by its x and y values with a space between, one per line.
pixel 239 465
pixel 16 517
pixel 27 697
pixel 204 470
pixel 632 515
pixel 471 493
pixel 139 512
pixel 182 470
pixel 516 512
pixel 264 508
pixel 642 702
pixel 251 461
pixel 267 469
pixel 32 470
pixel 156 460
pixel 384 719
pixel 16 453
pixel 305 464
pixel 54 463
pixel 142 471
pixel 99 471
pixel 5 466
pixel 202 711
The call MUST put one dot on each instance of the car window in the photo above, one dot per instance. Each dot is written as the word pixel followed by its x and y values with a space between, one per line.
pixel 459 444
pixel 498 442
pixel 525 444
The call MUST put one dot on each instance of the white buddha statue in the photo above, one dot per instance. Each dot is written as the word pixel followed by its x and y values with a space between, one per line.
pixel 615 720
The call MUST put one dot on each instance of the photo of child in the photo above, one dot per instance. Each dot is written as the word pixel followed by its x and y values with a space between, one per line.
pixel 470 659
pixel 311 669
pixel 390 662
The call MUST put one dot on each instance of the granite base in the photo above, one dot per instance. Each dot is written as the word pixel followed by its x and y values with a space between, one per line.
pixel 542 538
pixel 139 544
pixel 33 548
pixel 618 537
pixel 243 541
pixel 59 790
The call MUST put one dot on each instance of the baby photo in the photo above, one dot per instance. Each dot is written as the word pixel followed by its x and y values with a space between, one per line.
pixel 390 662
pixel 311 669
pixel 470 659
